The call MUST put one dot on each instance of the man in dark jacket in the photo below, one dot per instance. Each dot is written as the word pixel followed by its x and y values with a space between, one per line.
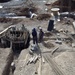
pixel 34 34
pixel 41 34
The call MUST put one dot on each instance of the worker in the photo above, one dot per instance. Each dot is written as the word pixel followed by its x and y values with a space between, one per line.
pixel 12 67
pixel 23 27
pixel 34 34
pixel 13 28
pixel 32 15
pixel 41 34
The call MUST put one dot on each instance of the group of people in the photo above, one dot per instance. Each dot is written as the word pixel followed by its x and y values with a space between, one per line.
pixel 37 35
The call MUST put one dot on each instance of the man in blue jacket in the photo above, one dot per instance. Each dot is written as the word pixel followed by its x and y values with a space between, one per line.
pixel 34 34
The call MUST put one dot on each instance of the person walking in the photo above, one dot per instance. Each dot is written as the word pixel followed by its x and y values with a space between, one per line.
pixel 34 34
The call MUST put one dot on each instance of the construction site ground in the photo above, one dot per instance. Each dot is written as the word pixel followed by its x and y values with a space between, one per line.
pixel 53 57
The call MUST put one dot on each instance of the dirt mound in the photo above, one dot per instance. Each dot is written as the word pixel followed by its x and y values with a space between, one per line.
pixel 48 34
pixel 33 9
pixel 6 20
pixel 43 16
pixel 25 11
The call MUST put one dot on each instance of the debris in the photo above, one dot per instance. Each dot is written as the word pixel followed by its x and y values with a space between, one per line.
pixel 64 14
pixel 58 34
pixel 68 41
pixel 58 41
pixel 7 29
pixel 32 15
pixel 61 30
pixel 28 62
pixel 54 50
pixel 35 59
pixel 46 9
pixel 32 60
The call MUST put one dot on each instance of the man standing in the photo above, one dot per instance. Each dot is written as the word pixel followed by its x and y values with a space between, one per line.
pixel 23 27
pixel 34 34
pixel 41 34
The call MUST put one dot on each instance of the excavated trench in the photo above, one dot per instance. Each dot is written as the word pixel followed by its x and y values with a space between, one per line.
pixel 13 56
pixel 16 54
